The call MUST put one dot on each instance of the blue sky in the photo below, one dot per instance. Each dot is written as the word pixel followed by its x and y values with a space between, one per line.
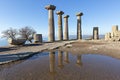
pixel 20 13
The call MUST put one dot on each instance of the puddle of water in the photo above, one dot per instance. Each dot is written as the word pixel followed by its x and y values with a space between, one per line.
pixel 62 66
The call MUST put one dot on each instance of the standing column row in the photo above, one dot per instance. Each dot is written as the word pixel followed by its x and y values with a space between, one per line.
pixel 51 33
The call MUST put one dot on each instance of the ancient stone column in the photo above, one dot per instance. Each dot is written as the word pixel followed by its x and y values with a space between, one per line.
pixel 79 30
pixel 60 29
pixel 115 28
pixel 51 32
pixel 108 36
pixel 66 35
pixel 60 59
pixel 95 33
pixel 37 38
pixel 79 61
pixel 66 57
pixel 114 31
pixel 52 62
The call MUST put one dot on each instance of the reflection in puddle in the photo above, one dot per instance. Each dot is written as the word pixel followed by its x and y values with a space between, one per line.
pixel 62 66
pixel 79 61
pixel 52 62
pixel 60 59
pixel 66 57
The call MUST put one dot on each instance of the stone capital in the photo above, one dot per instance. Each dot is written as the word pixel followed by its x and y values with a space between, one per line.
pixel 66 16
pixel 50 7
pixel 95 28
pixel 59 12
pixel 79 14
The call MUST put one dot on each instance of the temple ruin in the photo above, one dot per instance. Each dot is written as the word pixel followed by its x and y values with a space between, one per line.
pixel 79 30
pixel 60 27
pixel 37 38
pixel 51 35
pixel 65 35
pixel 66 32
pixel 114 35
pixel 95 33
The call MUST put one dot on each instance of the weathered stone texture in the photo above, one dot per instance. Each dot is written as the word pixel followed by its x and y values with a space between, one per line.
pixel 37 38
pixel 66 32
pixel 60 29
pixel 114 35
pixel 51 32
pixel 79 30
pixel 95 33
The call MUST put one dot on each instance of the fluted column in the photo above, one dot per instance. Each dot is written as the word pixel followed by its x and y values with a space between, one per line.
pixel 60 29
pixel 52 62
pixel 60 59
pixel 79 30
pixel 95 33
pixel 66 35
pixel 66 57
pixel 51 32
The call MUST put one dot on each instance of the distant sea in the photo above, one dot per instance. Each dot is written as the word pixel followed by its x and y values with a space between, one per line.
pixel 4 42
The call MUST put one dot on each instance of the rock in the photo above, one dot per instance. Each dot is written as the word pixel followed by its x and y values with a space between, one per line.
pixel 16 41
pixel 69 46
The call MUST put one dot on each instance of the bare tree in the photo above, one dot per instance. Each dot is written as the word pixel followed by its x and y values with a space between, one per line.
pixel 27 33
pixel 10 33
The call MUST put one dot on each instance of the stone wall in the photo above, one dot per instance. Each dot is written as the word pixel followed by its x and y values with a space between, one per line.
pixel 114 35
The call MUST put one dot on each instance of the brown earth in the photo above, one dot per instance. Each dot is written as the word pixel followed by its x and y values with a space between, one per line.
pixel 94 47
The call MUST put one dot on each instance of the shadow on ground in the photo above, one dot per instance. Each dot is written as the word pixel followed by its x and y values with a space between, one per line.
pixel 6 49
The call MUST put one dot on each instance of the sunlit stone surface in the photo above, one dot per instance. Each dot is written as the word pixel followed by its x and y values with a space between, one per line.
pixel 79 28
pixel 95 33
pixel 66 32
pixel 37 38
pixel 51 32
pixel 60 27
